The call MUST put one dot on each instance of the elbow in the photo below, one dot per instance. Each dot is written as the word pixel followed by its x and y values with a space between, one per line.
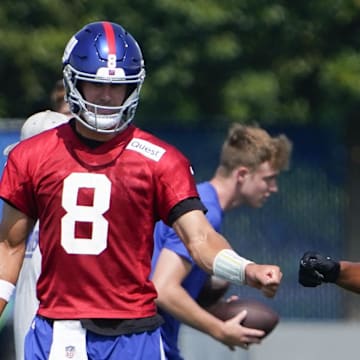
pixel 162 295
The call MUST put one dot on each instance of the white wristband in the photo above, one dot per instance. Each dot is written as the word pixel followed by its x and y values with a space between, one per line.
pixel 230 266
pixel 6 290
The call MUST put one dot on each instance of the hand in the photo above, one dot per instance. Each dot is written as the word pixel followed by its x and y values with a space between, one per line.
pixel 315 269
pixel 233 334
pixel 263 277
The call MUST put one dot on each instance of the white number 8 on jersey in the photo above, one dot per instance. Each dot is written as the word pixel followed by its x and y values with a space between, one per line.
pixel 93 214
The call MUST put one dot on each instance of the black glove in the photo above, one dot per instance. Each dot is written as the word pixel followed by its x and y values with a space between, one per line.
pixel 315 269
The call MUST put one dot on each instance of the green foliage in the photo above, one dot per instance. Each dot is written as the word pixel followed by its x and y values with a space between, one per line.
pixel 252 96
pixel 269 60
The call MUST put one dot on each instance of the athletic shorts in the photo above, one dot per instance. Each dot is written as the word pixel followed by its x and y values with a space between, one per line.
pixel 62 340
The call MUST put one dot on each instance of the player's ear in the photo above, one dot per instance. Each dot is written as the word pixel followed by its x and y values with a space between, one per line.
pixel 241 173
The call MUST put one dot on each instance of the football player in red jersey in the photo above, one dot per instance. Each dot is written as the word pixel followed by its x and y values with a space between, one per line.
pixel 97 185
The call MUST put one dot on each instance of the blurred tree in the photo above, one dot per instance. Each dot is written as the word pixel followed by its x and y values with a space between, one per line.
pixel 208 62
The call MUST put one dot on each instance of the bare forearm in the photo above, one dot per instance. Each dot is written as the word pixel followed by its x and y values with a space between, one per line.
pixel 14 229
pixel 212 252
pixel 182 306
pixel 349 277
pixel 202 241
pixel 169 274
pixel 204 252
pixel 11 259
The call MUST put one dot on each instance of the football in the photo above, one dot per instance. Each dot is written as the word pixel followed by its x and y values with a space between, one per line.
pixel 212 291
pixel 259 315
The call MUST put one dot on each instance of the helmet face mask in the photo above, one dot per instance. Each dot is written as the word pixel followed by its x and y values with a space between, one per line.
pixel 103 52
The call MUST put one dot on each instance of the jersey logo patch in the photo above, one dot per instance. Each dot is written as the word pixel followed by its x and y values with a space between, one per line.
pixel 146 148
pixel 70 351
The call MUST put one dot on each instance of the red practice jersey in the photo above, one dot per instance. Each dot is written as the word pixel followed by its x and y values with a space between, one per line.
pixel 97 209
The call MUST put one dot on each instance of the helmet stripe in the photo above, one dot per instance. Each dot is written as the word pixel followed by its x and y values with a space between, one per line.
pixel 110 37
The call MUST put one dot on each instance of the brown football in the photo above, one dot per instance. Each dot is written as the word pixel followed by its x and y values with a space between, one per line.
pixel 259 315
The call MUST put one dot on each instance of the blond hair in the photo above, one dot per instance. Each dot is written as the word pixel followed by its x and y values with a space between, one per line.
pixel 250 146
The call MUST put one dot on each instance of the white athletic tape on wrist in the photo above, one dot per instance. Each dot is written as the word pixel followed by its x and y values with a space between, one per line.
pixel 6 290
pixel 230 266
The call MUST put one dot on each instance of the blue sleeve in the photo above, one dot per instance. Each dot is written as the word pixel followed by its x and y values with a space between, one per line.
pixel 166 237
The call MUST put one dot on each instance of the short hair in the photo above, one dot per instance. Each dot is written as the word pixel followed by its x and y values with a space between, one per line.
pixel 250 146
pixel 280 159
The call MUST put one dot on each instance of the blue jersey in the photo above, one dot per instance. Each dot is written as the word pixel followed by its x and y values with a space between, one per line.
pixel 165 237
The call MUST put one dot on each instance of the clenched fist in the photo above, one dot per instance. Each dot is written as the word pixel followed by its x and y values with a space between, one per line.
pixel 266 278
